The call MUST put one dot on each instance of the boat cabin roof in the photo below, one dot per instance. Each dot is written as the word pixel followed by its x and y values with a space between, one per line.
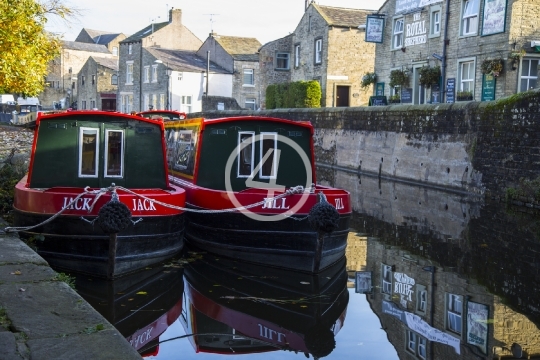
pixel 165 115
pixel 96 149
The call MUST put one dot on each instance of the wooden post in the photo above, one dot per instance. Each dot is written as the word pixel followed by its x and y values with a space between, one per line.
pixel 112 256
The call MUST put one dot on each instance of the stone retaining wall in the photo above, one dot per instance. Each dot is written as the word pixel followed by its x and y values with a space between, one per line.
pixel 480 147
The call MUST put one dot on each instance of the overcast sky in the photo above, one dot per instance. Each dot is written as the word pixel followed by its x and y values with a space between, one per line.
pixel 262 19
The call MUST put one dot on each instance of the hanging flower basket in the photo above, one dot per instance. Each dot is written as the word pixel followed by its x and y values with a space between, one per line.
pixel 516 55
pixel 429 75
pixel 368 79
pixel 492 67
pixel 399 78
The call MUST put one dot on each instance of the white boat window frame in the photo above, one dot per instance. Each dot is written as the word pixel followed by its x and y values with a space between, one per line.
pixel 274 154
pixel 106 160
pixel 252 165
pixel 96 164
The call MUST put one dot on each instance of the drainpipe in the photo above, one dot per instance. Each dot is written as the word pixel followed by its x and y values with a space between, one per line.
pixel 445 40
pixel 207 70
pixel 140 78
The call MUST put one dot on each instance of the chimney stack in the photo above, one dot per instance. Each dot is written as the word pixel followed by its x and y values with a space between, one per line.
pixel 175 16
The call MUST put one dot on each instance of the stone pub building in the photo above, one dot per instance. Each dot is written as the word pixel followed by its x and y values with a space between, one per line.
pixel 485 49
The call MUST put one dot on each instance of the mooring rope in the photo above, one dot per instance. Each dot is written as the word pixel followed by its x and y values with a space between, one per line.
pixel 113 188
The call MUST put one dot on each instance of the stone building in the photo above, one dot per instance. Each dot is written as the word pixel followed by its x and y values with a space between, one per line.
pixel 98 83
pixel 275 64
pixel 239 56
pixel 61 79
pixel 167 35
pixel 329 46
pixel 110 40
pixel 177 80
pixel 485 49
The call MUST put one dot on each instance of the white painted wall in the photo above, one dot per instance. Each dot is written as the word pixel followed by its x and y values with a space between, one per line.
pixel 194 84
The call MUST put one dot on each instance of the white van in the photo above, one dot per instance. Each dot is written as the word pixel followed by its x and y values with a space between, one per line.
pixel 28 101
pixel 7 99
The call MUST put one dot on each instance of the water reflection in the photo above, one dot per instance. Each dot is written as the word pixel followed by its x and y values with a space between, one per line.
pixel 246 308
pixel 453 278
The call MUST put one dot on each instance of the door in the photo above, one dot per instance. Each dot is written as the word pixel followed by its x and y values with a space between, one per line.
pixel 342 95
pixel 108 104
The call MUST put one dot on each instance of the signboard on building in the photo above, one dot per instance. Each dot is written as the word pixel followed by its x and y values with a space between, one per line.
pixel 477 325
pixel 363 282
pixel 416 324
pixel 488 87
pixel 450 90
pixel 374 29
pixel 379 89
pixel 408 5
pixel 406 95
pixel 416 32
pixel 377 101
pixel 494 18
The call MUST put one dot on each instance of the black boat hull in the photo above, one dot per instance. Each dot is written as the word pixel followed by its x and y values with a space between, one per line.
pixel 71 244
pixel 289 244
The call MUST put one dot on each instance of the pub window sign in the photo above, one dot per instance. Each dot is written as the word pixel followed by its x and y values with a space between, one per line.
pixel 374 29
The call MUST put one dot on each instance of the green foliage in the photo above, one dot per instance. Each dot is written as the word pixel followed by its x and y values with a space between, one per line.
pixel 25 47
pixel 464 95
pixel 368 79
pixel 70 280
pixel 429 75
pixel 528 189
pixel 93 329
pixel 398 78
pixel 8 179
pixel 299 94
pixel 492 67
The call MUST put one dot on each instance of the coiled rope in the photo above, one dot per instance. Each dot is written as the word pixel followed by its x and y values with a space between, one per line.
pixel 113 188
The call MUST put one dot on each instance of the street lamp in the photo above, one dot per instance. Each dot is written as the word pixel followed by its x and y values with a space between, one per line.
pixel 169 73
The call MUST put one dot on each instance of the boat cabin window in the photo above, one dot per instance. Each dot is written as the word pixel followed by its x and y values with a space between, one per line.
pixel 246 153
pixel 114 153
pixel 268 156
pixel 88 152
pixel 181 150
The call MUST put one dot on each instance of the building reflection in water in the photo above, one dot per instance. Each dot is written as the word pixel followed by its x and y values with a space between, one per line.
pixel 453 278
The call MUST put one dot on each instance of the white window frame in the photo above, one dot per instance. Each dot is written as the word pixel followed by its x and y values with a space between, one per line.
pixel 386 287
pixel 472 81
pixel 283 56
pixel 162 102
pixel 251 73
pixel 250 101
pixel 186 106
pixel 105 169
pixel 96 161
pixel 92 104
pixel 297 55
pixel 83 105
pixel 146 101
pixel 154 73
pixel 114 79
pixel 421 299
pixel 414 343
pixel 146 74
pixel 154 101
pixel 264 136
pixel 240 133
pixel 527 77
pixel 398 32
pixel 469 20
pixel 129 72
pixel 452 314
pixel 130 49
pixel 318 51
pixel 435 13
pixel 115 50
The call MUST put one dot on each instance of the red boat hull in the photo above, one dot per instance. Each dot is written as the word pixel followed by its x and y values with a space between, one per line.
pixel 71 243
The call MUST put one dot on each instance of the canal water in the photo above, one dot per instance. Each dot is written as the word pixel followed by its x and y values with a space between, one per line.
pixel 428 274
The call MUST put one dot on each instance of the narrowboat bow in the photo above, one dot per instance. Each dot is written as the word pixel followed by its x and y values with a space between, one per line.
pixel 83 163
pixel 264 169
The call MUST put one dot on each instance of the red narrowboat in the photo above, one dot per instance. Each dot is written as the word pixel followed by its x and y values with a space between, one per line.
pixel 251 186
pixel 84 161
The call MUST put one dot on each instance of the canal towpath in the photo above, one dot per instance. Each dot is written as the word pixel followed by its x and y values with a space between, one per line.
pixel 42 317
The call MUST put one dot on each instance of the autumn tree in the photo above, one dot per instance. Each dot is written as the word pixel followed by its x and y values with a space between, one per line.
pixel 26 47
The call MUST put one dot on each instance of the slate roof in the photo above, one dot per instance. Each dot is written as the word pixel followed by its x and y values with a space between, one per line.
pixel 240 48
pixel 184 60
pixel 147 31
pixel 343 17
pixel 106 62
pixel 101 37
pixel 74 45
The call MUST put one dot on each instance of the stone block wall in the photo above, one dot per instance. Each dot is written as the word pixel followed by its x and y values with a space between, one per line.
pixel 267 64
pixel 480 147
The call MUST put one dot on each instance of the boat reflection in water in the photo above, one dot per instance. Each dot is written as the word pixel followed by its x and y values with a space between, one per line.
pixel 140 305
pixel 239 308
